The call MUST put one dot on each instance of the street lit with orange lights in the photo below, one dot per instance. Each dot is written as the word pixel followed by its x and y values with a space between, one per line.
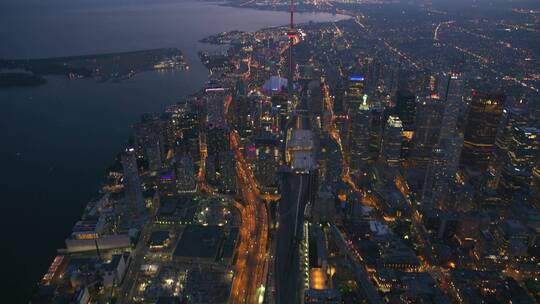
pixel 252 265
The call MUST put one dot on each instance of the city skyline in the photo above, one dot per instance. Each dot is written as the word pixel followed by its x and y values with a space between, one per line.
pixel 387 155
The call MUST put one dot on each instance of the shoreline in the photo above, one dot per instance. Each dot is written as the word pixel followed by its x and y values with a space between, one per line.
pixel 198 90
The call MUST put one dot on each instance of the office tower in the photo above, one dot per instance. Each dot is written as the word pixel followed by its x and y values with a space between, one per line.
pixel 151 128
pixel 406 109
pixel 485 114
pixel 240 115
pixel 185 173
pixel 218 147
pixel 378 124
pixel 360 135
pixel 218 140
pixel 450 92
pixel 355 90
pixel 214 100
pixel 329 160
pixel 264 117
pixel 132 183
pixel 520 160
pixel 434 188
pixel 153 154
pixel 266 162
pixel 392 139
pixel 281 104
pixel 452 147
pixel 429 116
pixel 441 172
pixel 227 172
pixel 374 74
pixel 511 118
pixel 186 130
pixel 316 101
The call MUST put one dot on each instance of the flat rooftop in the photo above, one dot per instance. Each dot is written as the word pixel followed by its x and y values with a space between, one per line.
pixel 158 238
pixel 200 242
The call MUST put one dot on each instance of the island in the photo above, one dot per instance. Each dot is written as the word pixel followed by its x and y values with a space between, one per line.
pixel 115 66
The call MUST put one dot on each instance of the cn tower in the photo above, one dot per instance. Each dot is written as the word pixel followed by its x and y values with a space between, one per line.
pixel 291 33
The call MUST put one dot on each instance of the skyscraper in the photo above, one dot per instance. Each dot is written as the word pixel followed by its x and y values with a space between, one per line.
pixel 392 139
pixel 451 94
pixel 360 135
pixel 485 114
pixel 512 118
pixel 132 183
pixel 520 160
pixel 406 109
pixel 266 162
pixel 185 173
pixel 153 153
pixel 429 116
pixel 440 173
pixel 355 90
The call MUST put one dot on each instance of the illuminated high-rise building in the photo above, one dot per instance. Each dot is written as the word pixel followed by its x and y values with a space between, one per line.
pixel 483 120
pixel 392 140
pixel 329 160
pixel 153 153
pixel 355 90
pixel 441 172
pixel 185 173
pixel 266 162
pixel 360 135
pixel 520 160
pixel 430 112
pixel 512 118
pixel 227 172
pixel 132 183
pixel 451 94
pixel 378 122
pixel 241 116
pixel 148 131
pixel 406 109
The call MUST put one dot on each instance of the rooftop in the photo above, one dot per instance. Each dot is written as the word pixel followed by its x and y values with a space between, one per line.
pixel 200 242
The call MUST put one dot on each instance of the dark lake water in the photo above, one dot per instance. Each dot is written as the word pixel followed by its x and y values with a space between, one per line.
pixel 56 140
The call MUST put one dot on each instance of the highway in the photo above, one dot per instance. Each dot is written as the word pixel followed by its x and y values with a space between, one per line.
pixel 251 267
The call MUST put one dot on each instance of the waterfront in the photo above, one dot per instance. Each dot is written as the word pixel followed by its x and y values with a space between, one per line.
pixel 59 138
